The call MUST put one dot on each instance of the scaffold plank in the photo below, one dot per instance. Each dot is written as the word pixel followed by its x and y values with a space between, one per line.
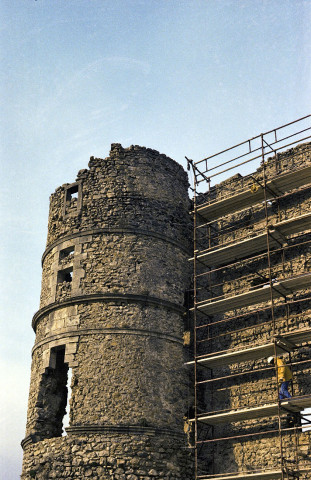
pixel 236 251
pixel 294 225
pixel 292 405
pixel 263 475
pixel 257 295
pixel 253 353
pixel 256 475
pixel 297 337
pixel 290 180
pixel 284 343
pixel 246 198
pixel 245 248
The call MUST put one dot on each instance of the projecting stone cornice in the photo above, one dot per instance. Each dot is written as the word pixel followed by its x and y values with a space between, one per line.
pixel 106 297
pixel 122 429
pixel 110 430
pixel 116 230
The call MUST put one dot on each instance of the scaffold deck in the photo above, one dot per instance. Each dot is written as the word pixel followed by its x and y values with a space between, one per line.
pixel 284 343
pixel 245 248
pixel 292 405
pixel 264 475
pixel 256 475
pixel 257 295
pixel 246 198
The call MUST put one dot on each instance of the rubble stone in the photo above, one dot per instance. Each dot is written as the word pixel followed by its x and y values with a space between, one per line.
pixel 115 272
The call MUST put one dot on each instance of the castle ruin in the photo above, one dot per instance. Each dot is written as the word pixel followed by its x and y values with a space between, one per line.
pixel 115 272
pixel 166 325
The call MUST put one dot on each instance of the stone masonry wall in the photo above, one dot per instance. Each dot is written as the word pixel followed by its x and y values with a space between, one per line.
pixel 140 456
pixel 115 272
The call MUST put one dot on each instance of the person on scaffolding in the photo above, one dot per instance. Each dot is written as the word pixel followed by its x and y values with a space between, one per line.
pixel 284 375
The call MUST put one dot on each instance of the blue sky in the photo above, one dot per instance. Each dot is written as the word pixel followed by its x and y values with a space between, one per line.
pixel 185 77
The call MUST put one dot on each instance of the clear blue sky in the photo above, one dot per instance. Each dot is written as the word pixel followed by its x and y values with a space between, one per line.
pixel 186 77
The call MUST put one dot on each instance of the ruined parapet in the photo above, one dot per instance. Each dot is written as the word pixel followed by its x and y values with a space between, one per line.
pixel 115 270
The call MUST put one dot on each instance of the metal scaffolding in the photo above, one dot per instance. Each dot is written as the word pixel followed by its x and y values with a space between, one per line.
pixel 248 304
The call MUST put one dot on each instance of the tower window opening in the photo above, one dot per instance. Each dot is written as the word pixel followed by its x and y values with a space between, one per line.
pixel 65 275
pixel 72 193
pixel 52 397
pixel 72 203
pixel 66 253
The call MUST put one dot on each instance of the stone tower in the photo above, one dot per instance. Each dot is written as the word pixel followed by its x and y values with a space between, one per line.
pixel 115 271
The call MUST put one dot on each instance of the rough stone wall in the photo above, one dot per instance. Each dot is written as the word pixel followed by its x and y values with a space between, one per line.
pixel 251 326
pixel 139 456
pixel 115 271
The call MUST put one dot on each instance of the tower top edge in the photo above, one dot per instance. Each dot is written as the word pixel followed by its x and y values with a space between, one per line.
pixel 118 152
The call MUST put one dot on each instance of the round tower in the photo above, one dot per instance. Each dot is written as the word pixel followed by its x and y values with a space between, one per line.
pixel 115 271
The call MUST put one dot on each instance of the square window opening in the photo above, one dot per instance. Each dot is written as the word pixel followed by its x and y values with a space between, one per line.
pixel 66 253
pixel 72 193
pixel 65 275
